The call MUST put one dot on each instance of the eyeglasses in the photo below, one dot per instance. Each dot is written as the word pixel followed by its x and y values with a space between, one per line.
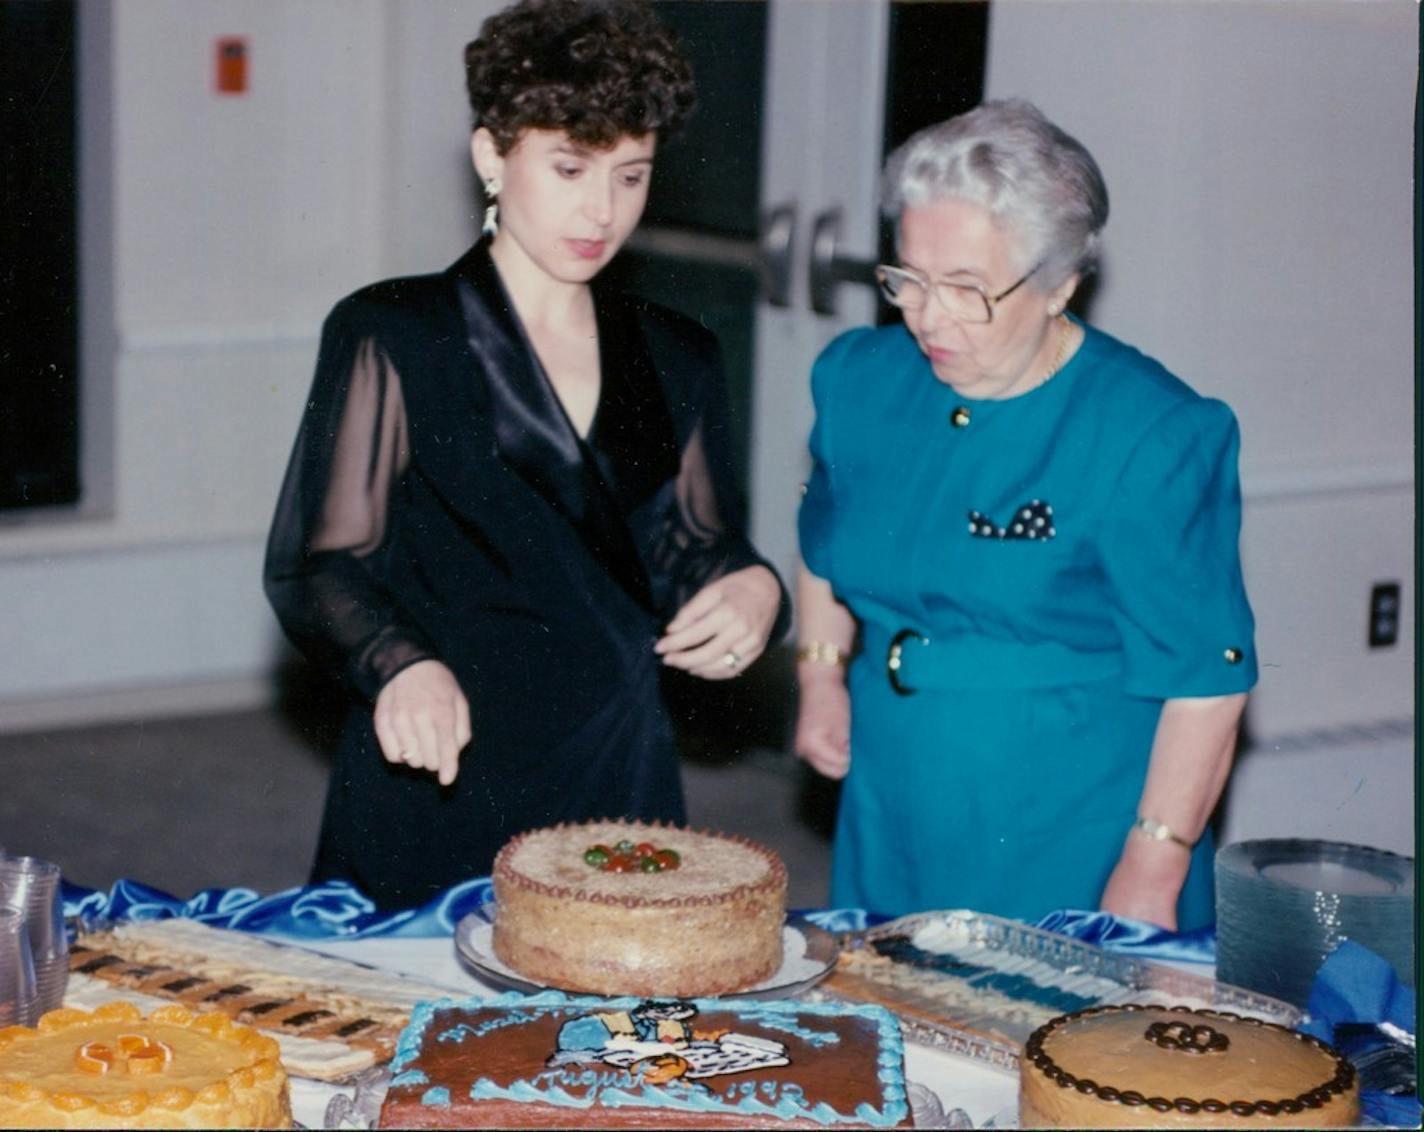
pixel 965 302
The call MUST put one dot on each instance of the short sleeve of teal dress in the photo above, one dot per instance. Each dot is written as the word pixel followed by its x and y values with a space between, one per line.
pixel 1046 571
pixel 1169 554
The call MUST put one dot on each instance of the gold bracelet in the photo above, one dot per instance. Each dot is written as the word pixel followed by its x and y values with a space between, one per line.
pixel 1155 830
pixel 821 652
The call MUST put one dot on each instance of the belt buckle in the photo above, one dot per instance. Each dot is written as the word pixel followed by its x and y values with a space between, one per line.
pixel 893 660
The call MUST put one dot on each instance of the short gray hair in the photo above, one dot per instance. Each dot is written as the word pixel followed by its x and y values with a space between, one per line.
pixel 1005 156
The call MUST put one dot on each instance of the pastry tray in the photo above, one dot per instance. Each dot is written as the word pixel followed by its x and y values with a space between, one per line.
pixel 279 967
pixel 979 985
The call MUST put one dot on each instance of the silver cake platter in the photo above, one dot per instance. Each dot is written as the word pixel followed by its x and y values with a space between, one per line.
pixel 808 954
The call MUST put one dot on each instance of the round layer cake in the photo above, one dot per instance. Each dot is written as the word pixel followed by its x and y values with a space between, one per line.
pixel 1172 1067
pixel 114 1068
pixel 614 907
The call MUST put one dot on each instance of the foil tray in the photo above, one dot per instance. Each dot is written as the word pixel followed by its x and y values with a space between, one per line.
pixel 979 985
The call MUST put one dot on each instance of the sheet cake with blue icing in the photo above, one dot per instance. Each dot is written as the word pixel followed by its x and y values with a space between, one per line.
pixel 555 1061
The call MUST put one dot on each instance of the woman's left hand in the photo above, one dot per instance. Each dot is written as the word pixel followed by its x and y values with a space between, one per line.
pixel 724 627
pixel 1191 758
pixel 1146 881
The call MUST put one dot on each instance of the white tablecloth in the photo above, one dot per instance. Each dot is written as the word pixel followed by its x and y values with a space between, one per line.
pixel 982 1092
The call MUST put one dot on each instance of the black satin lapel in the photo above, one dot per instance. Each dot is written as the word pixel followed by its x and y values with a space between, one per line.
pixel 633 429
pixel 533 432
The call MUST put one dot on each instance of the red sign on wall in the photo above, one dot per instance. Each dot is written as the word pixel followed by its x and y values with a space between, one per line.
pixel 230 59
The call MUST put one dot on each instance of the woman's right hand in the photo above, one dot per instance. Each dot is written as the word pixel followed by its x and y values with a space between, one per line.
pixel 423 719
pixel 823 720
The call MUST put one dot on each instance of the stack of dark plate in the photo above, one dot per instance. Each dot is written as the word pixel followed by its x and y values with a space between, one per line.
pixel 1282 906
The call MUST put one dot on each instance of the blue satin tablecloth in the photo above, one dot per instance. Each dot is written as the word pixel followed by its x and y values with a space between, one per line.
pixel 336 910
pixel 1353 987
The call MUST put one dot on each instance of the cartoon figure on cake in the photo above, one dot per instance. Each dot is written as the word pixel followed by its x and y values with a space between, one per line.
pixel 657 1040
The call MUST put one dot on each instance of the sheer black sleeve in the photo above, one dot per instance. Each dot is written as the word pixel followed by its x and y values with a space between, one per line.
pixel 703 536
pixel 325 555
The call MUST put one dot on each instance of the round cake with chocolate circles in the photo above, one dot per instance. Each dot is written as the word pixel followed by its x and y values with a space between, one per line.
pixel 115 1068
pixel 1174 1067
pixel 618 907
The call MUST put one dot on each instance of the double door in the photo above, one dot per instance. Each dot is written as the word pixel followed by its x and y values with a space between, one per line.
pixel 764 221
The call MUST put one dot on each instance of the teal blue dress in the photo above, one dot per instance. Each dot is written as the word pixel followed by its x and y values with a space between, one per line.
pixel 1045 570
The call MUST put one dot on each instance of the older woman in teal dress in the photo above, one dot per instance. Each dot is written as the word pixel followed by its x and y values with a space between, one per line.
pixel 1025 643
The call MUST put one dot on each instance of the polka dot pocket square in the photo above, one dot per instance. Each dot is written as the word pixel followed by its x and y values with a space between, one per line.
pixel 1031 521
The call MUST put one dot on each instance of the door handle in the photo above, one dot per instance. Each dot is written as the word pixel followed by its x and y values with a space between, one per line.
pixel 778 231
pixel 829 270
pixel 770 255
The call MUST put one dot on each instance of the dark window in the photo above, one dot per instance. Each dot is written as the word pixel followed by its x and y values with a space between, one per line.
pixel 934 70
pixel 935 66
pixel 39 326
pixel 709 178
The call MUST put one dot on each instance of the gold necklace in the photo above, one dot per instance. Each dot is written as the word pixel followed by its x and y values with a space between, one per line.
pixel 1063 337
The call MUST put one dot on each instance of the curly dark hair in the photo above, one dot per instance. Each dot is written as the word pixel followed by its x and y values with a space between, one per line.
pixel 597 69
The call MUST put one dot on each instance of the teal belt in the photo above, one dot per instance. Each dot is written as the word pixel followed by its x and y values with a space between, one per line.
pixel 913 660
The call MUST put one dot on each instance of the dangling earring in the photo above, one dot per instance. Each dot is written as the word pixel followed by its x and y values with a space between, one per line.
pixel 491 225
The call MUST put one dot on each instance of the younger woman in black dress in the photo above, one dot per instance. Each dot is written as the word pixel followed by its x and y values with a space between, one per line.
pixel 510 500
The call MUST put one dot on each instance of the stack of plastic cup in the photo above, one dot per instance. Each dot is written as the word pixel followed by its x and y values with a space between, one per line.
pixel 1283 905
pixel 18 1003
pixel 31 886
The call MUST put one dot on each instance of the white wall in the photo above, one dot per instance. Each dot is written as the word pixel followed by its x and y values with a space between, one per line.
pixel 1260 164
pixel 217 231
pixel 1351 784
pixel 431 211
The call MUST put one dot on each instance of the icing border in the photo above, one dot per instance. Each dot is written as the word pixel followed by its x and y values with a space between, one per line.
pixel 266 1062
pixel 890 1069
pixel 1318 1097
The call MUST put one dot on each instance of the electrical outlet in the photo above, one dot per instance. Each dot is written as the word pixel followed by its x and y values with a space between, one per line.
pixel 1384 614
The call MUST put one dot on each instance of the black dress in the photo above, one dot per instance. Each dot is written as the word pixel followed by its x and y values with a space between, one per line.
pixel 439 504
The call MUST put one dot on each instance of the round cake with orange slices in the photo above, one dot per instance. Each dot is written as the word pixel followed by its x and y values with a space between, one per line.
pixel 115 1068
pixel 618 907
